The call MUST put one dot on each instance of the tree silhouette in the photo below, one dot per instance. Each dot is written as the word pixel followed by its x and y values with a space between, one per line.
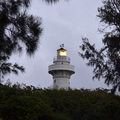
pixel 106 61
pixel 19 32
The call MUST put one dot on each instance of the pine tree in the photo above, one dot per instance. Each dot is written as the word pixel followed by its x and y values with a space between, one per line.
pixel 106 61
pixel 17 29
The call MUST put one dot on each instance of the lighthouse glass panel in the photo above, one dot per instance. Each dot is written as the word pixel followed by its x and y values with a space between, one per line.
pixel 63 53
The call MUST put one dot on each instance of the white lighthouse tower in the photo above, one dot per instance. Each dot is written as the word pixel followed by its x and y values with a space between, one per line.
pixel 61 70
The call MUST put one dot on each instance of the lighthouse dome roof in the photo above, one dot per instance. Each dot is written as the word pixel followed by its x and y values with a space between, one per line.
pixel 61 49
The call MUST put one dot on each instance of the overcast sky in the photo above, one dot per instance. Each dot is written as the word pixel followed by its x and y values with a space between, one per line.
pixel 63 23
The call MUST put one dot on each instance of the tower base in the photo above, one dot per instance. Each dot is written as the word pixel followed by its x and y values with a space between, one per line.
pixel 61 83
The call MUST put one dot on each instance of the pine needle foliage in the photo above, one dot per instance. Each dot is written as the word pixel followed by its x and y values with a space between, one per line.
pixel 106 61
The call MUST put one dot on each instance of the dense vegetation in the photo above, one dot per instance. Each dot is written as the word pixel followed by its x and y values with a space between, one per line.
pixel 30 103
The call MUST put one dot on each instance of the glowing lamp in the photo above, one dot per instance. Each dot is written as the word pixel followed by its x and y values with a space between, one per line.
pixel 63 53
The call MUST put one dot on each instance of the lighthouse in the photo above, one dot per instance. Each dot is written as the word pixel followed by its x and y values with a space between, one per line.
pixel 61 70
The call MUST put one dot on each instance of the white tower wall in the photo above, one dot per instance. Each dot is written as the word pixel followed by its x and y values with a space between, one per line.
pixel 61 83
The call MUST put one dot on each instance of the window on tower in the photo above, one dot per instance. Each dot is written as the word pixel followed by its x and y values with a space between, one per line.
pixel 63 53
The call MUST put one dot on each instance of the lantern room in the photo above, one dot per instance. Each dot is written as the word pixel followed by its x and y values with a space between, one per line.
pixel 61 52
